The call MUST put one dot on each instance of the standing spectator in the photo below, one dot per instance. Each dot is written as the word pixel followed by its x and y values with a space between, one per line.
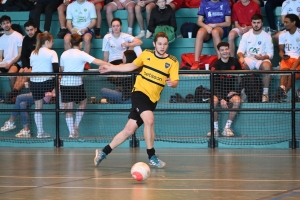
pixel 141 6
pixel 44 6
pixel 10 49
pixel 81 18
pixel 111 7
pixel 114 44
pixel 214 19
pixel 72 87
pixel 242 12
pixel 28 45
pixel 225 89
pixel 289 52
pixel 269 9
pixel 42 59
pixel 161 15
pixel 255 51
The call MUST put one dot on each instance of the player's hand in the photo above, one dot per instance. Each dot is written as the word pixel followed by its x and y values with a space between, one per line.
pixel 169 82
pixel 104 69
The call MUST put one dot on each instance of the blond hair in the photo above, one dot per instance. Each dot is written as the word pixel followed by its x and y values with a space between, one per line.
pixel 41 40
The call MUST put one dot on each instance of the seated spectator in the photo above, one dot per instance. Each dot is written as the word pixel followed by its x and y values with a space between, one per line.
pixel 114 44
pixel 111 7
pixel 176 4
pixel 225 89
pixel 122 94
pixel 242 12
pixel 214 22
pixel 141 6
pixel 87 16
pixel 23 101
pixel 161 15
pixel 269 9
pixel 255 51
pixel 28 45
pixel 61 10
pixel 288 7
pixel 10 49
pixel 44 6
pixel 289 52
pixel 72 87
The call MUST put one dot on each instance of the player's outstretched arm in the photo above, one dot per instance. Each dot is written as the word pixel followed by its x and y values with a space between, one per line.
pixel 117 68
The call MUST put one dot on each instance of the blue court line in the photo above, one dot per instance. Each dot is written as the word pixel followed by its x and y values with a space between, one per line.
pixel 287 195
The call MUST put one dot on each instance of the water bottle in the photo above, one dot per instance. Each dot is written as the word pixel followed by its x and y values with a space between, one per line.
pixel 278 26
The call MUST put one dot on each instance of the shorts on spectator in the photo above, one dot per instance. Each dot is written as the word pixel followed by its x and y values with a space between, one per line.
pixel 101 3
pixel 4 70
pixel 89 31
pixel 253 63
pixel 178 4
pixel 122 3
pixel 287 64
pixel 225 34
pixel 72 93
pixel 38 89
pixel 237 31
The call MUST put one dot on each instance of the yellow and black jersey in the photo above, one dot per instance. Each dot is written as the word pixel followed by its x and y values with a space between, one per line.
pixel 152 79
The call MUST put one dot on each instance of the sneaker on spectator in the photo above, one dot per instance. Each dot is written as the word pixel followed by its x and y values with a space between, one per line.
pixel 8 126
pixel 154 161
pixel 265 98
pixel 97 33
pixel 140 35
pixel 148 34
pixel 227 132
pixel 100 155
pixel 244 96
pixel 216 133
pixel 43 135
pixel 280 95
pixel 87 66
pixel 62 32
pixel 23 134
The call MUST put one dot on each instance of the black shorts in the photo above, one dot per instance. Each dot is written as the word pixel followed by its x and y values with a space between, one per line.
pixel 4 70
pixel 140 103
pixel 39 89
pixel 72 93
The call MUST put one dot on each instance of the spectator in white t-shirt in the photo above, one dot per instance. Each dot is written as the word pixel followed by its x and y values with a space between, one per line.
pixel 10 49
pixel 72 87
pixel 42 59
pixel 255 51
pixel 81 19
pixel 289 52
pixel 116 43
pixel 288 7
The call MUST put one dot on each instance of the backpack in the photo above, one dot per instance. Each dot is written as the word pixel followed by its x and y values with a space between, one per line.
pixel 253 87
pixel 202 95
pixel 168 30
pixel 192 3
pixel 189 27
pixel 187 60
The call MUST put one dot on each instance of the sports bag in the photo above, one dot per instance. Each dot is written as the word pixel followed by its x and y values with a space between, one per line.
pixel 189 27
pixel 253 87
pixel 168 30
pixel 187 60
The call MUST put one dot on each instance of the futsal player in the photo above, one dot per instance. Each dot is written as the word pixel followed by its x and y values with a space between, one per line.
pixel 159 69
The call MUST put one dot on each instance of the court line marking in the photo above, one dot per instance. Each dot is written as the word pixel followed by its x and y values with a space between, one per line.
pixel 146 188
pixel 151 178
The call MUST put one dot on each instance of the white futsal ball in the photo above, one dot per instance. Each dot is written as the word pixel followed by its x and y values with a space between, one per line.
pixel 140 171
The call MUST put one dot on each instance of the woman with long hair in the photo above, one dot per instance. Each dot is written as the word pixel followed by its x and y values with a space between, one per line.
pixel 42 59
pixel 72 88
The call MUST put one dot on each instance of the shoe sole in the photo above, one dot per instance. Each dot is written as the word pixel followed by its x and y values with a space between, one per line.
pixel 157 166
pixel 8 129
pixel 43 136
pixel 23 136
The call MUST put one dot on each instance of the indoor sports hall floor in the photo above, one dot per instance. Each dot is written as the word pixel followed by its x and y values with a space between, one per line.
pixel 58 173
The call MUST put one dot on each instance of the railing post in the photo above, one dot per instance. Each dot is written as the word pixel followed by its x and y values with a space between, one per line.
pixel 134 142
pixel 212 141
pixel 57 141
pixel 293 142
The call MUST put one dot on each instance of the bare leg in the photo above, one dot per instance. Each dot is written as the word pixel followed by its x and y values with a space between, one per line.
pixel 217 34
pixel 202 36
pixel 231 38
pixel 110 8
pixel 87 42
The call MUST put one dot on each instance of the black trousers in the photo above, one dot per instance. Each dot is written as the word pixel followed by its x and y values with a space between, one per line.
pixel 269 8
